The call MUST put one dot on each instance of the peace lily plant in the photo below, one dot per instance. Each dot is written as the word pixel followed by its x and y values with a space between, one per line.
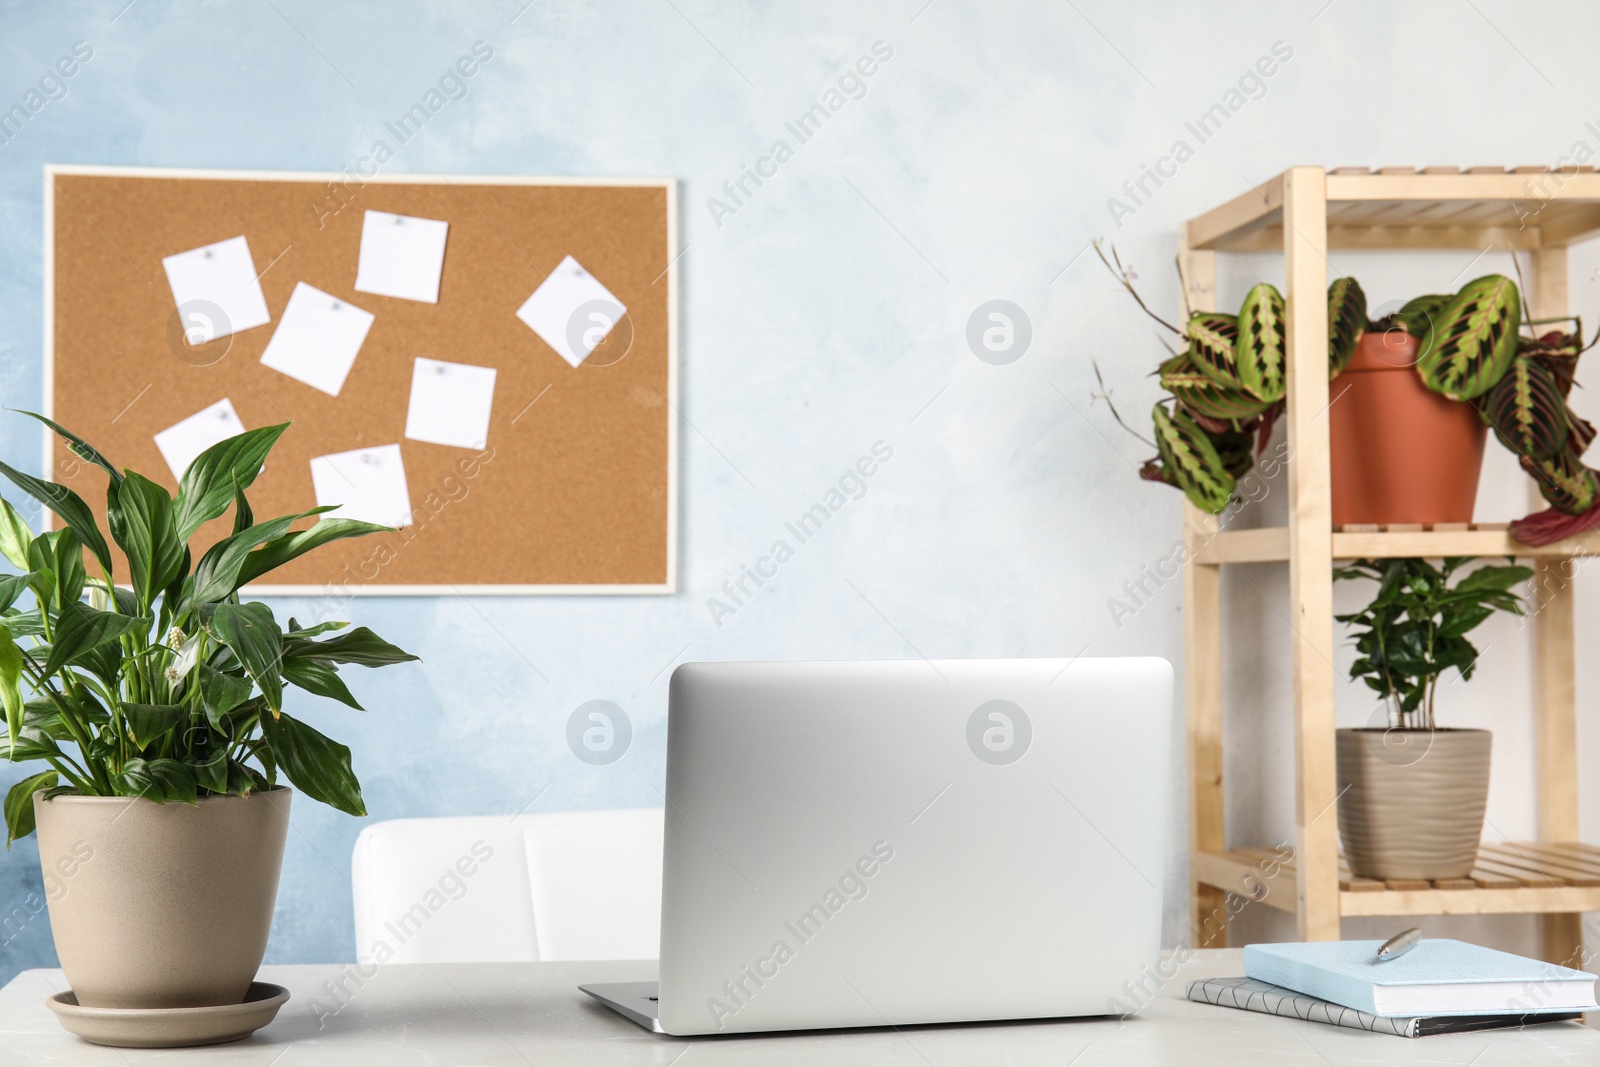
pixel 166 686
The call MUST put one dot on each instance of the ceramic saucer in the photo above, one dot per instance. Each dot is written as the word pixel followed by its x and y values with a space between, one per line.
pixel 169 1027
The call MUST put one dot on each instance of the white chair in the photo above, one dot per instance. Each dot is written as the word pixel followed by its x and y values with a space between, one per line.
pixel 583 885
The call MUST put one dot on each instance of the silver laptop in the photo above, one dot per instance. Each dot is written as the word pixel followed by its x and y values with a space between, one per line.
pixel 894 843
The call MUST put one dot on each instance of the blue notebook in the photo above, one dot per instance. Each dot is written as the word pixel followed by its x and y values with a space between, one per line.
pixel 1437 977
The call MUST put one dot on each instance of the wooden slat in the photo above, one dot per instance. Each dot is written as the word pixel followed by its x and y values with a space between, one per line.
pixel 1406 885
pixel 1570 871
pixel 1265 545
pixel 1202 667
pixel 1455 883
pixel 1492 879
pixel 1304 191
pixel 1555 661
pixel 1245 212
pixel 1521 900
pixel 1522 872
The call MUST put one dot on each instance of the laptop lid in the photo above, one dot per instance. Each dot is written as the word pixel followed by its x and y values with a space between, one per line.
pixel 891 843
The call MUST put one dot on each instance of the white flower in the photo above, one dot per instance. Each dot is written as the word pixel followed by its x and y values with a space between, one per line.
pixel 175 637
pixel 173 675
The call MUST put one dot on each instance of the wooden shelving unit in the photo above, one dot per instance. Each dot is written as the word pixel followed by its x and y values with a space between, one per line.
pixel 1305 211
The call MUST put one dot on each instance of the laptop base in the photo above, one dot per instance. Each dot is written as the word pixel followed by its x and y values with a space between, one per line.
pixel 636 1001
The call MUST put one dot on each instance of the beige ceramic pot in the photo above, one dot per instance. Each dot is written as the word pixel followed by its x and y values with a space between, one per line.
pixel 1411 802
pixel 161 905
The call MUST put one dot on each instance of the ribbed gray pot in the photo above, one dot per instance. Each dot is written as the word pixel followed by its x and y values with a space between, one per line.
pixel 1411 802
pixel 161 905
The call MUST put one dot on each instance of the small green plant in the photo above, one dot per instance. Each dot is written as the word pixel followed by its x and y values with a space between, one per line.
pixel 1415 627
pixel 167 686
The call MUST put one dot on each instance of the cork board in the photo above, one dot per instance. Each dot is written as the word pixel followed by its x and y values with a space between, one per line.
pixel 576 489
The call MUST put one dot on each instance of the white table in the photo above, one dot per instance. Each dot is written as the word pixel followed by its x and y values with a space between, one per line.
pixel 533 1014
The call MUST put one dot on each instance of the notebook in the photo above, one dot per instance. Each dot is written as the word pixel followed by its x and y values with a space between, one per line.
pixel 1437 977
pixel 1247 994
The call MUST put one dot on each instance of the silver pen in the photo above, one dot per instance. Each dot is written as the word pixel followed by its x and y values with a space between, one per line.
pixel 1399 944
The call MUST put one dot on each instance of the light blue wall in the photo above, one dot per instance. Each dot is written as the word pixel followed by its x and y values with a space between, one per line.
pixel 826 313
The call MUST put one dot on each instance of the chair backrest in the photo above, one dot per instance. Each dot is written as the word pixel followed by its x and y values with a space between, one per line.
pixel 582 885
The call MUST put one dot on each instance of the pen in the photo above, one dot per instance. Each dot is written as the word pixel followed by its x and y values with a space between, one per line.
pixel 1399 944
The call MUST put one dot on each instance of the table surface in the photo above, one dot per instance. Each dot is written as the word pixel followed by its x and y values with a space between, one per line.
pixel 532 1013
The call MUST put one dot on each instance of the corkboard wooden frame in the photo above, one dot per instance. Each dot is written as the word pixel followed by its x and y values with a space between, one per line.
pixel 659 252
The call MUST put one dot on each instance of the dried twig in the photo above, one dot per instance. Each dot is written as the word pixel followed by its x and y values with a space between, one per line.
pixel 1121 274
pixel 1105 394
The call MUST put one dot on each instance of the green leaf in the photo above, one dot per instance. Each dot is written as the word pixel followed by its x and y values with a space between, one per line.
pixel 79 447
pixel 1263 336
pixel 15 535
pixel 1213 337
pixel 1527 410
pixel 28 624
pixel 1463 620
pixel 318 766
pixel 320 679
pixel 296 630
pixel 57 558
pixel 31 744
pixel 69 506
pixel 217 574
pixel 1191 458
pixel 1347 321
pixel 253 634
pixel 219 473
pixel 1196 391
pixel 1474 340
pixel 243 516
pixel 13 586
pixel 1495 578
pixel 220 693
pixel 141 518
pixel 159 780
pixel 19 804
pixel 11 684
pixel 149 723
pixel 80 628
pixel 1421 312
pixel 360 646
pixel 276 553
pixel 211 773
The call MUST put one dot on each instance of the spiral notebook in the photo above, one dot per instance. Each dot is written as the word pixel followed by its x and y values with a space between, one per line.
pixel 1248 994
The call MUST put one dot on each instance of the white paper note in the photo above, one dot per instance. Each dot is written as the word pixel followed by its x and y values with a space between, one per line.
pixel 401 255
pixel 181 443
pixel 317 338
pixel 571 311
pixel 450 403
pixel 366 483
pixel 216 290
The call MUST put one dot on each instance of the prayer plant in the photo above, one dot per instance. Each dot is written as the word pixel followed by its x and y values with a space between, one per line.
pixel 1227 376
pixel 166 686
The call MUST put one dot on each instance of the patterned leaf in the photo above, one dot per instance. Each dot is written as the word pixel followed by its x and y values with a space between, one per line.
pixel 1526 410
pixel 1564 481
pixel 1347 321
pixel 1421 312
pixel 1212 338
pixel 1259 351
pixel 1195 390
pixel 1473 340
pixel 1190 461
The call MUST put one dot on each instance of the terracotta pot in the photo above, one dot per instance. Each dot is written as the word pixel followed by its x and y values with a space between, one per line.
pixel 1401 452
pixel 1411 802
pixel 161 905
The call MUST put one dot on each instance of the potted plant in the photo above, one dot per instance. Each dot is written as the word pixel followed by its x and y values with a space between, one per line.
pixel 157 706
pixel 1412 795
pixel 1414 395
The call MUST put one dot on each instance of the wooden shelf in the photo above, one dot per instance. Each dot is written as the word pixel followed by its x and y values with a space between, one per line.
pixel 1511 878
pixel 1305 211
pixel 1270 544
pixel 1525 208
